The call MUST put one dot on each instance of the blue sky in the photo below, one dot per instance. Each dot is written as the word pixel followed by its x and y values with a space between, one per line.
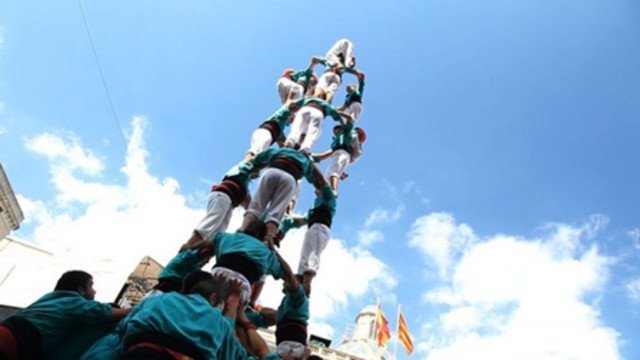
pixel 497 131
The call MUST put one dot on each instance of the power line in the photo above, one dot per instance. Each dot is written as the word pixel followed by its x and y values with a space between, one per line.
pixel 104 83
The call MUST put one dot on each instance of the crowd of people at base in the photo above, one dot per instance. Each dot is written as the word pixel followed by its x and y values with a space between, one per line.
pixel 195 314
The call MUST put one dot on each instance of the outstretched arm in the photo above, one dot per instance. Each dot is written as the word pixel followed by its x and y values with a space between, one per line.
pixel 322 156
pixel 289 278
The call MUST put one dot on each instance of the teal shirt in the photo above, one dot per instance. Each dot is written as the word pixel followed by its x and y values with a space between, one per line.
pixel 287 224
pixel 182 265
pixel 294 306
pixel 256 318
pixel 302 77
pixel 355 95
pixel 104 349
pixel 265 157
pixel 189 318
pixel 281 118
pixel 241 173
pixel 252 248
pixel 59 313
pixel 329 110
pixel 326 198
pixel 343 138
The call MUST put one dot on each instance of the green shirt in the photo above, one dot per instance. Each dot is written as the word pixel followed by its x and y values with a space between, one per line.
pixel 189 318
pixel 343 139
pixel 302 77
pixel 281 118
pixel 256 318
pixel 59 313
pixel 328 109
pixel 265 157
pixel 182 265
pixel 355 95
pixel 287 223
pixel 326 198
pixel 294 306
pixel 252 248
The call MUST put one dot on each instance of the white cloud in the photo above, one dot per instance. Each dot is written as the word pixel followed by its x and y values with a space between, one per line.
pixel 345 274
pixel 383 216
pixel 635 236
pixel 513 298
pixel 118 224
pixel 633 290
pixel 441 239
pixel 369 237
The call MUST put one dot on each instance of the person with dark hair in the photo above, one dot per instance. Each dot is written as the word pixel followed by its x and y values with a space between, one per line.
pixel 292 318
pixel 353 100
pixel 176 325
pixel 34 331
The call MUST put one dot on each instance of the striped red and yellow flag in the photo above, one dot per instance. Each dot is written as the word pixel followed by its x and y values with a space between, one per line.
pixel 382 328
pixel 403 334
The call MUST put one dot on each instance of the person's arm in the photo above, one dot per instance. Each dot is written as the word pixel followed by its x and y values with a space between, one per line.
pixel 360 82
pixel 181 265
pixel 118 314
pixel 288 276
pixel 255 342
pixel 322 156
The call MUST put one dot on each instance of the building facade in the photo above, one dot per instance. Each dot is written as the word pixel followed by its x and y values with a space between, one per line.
pixel 10 213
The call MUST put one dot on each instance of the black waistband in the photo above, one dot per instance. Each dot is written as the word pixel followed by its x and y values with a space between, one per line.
pixel 291 330
pixel 240 263
pixel 236 192
pixel 28 338
pixel 273 128
pixel 344 147
pixel 168 341
pixel 287 165
pixel 320 215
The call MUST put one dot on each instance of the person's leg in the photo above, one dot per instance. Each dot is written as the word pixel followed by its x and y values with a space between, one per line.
pixel 298 127
pixel 355 110
pixel 260 199
pixel 315 241
pixel 284 85
pixel 260 141
pixel 344 47
pixel 339 161
pixel 283 190
pixel 218 207
pixel 313 131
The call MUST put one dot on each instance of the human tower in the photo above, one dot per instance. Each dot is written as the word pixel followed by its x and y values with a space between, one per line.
pixel 195 314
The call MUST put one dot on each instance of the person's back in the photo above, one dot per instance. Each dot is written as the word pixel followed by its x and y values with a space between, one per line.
pixel 40 327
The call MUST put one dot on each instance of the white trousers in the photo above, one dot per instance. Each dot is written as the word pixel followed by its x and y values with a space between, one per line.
pixel 344 47
pixel 218 215
pixel 286 86
pixel 315 240
pixel 273 195
pixel 339 162
pixel 308 120
pixel 355 110
pixel 329 82
pixel 260 141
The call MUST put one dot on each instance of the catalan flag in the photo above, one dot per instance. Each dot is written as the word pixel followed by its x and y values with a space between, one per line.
pixel 382 328
pixel 403 334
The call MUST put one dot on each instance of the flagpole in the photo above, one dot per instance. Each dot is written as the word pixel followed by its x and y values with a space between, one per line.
pixel 395 347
